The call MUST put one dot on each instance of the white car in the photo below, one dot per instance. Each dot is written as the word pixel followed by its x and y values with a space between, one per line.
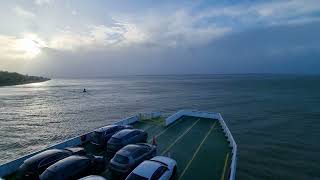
pixel 159 167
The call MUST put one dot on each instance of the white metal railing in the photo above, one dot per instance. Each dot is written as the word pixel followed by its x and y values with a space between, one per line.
pixel 234 147
pixel 226 130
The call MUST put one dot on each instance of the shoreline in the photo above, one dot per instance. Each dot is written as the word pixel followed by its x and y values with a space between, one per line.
pixel 23 83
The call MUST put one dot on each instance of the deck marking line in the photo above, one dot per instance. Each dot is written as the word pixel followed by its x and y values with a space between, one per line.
pixel 172 125
pixel 181 136
pixel 198 149
pixel 225 166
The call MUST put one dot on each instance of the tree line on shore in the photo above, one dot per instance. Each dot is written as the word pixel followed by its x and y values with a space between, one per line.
pixel 13 78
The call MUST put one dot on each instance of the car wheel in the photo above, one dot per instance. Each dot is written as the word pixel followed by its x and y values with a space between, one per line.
pixel 174 173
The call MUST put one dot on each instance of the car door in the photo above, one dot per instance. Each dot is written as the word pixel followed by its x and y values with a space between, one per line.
pixel 136 157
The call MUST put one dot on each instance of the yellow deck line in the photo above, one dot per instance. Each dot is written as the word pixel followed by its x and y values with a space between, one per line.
pixel 198 149
pixel 159 134
pixel 225 166
pixel 183 134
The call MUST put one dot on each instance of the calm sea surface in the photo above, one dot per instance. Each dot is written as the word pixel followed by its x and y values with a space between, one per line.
pixel 275 119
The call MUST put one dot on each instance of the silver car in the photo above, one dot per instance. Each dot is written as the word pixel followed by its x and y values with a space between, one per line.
pixel 130 156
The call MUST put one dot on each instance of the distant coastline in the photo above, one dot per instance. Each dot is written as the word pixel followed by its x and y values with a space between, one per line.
pixel 13 78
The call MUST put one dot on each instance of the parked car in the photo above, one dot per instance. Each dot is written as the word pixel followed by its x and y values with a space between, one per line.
pixel 158 168
pixel 32 167
pixel 74 167
pixel 101 136
pixel 128 157
pixel 92 177
pixel 125 137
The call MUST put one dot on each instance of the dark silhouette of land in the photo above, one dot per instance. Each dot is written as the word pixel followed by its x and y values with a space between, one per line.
pixel 12 78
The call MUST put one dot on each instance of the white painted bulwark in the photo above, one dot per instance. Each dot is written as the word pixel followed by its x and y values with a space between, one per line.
pixel 151 115
pixel 193 113
pixel 129 120
pixel 11 166
pixel 215 116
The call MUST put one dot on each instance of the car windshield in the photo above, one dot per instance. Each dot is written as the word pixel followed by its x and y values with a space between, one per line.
pixel 121 159
pixel 134 176
pixel 96 138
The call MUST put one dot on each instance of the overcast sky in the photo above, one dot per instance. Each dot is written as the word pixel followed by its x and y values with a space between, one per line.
pixel 60 38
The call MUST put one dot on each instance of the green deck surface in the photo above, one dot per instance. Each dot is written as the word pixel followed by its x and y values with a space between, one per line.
pixel 197 144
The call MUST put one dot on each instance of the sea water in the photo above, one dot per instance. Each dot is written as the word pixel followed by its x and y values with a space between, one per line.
pixel 275 119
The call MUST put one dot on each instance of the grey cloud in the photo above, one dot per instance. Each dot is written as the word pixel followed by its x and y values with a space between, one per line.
pixel 280 49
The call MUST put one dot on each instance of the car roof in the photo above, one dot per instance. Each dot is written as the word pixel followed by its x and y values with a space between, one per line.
pixel 129 149
pixel 66 163
pixel 146 168
pixel 163 160
pixel 102 129
pixel 43 154
pixel 145 145
pixel 123 133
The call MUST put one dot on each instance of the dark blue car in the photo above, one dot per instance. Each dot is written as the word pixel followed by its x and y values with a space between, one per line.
pixel 101 136
pixel 74 167
pixel 125 137
pixel 32 167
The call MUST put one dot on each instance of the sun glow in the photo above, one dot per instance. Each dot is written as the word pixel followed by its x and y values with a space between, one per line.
pixel 29 46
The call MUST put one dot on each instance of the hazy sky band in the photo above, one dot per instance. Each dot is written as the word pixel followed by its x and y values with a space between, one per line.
pixel 101 37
